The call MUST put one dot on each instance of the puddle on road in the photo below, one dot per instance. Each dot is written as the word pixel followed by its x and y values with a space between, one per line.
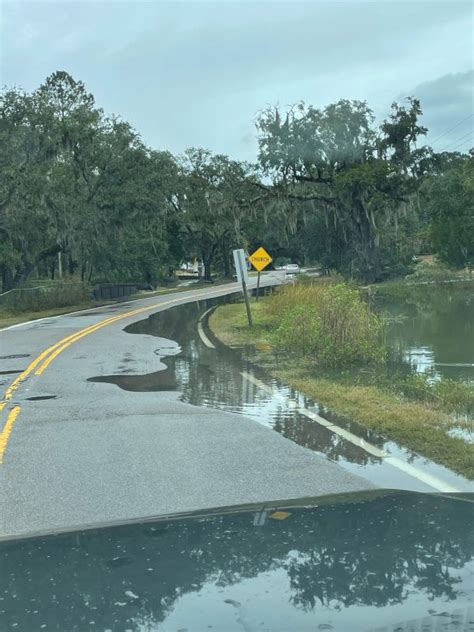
pixel 33 396
pixel 159 381
pixel 213 378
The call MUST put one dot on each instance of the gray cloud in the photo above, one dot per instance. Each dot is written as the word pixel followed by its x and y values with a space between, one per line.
pixel 196 73
pixel 448 105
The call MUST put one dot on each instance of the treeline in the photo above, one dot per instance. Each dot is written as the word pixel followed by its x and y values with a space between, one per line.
pixel 82 195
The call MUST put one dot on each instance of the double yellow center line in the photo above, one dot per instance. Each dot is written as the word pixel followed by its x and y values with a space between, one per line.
pixel 44 359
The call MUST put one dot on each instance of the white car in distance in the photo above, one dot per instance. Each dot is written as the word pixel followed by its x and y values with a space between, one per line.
pixel 292 268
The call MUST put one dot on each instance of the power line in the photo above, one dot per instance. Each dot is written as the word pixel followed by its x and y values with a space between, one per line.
pixel 462 140
pixel 463 136
pixel 458 140
pixel 457 148
pixel 451 128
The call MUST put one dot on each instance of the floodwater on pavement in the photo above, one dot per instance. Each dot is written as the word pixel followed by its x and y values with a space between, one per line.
pixel 225 379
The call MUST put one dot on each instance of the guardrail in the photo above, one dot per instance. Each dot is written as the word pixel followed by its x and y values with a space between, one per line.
pixel 112 291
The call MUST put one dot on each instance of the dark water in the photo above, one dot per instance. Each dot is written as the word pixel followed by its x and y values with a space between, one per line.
pixel 390 562
pixel 432 330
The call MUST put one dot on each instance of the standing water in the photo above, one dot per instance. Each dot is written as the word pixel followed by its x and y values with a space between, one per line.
pixel 431 329
pixel 225 379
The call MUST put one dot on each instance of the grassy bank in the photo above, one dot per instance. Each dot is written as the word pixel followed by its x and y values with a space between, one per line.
pixel 417 416
pixel 425 276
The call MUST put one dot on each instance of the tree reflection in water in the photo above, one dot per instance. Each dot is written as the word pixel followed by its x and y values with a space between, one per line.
pixel 209 378
pixel 369 552
pixel 438 319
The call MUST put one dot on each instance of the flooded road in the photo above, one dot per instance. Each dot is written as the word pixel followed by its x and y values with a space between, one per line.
pixel 225 379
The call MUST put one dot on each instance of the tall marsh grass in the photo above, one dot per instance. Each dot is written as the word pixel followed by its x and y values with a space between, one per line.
pixel 327 320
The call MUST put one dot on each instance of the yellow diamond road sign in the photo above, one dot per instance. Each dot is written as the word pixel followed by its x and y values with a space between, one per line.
pixel 260 259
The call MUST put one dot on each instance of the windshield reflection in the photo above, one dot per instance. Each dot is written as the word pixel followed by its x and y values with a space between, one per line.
pixel 382 552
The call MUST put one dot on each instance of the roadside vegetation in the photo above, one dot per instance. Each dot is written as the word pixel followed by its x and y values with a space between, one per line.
pixel 427 273
pixel 324 339
pixel 43 298
pixel 84 199
pixel 45 295
pixel 327 321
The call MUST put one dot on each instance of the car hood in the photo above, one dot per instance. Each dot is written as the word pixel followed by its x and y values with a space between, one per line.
pixel 364 561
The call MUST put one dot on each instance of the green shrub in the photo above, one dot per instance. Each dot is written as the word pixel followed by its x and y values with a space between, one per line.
pixel 299 329
pixel 446 393
pixel 328 321
pixel 47 297
pixel 430 271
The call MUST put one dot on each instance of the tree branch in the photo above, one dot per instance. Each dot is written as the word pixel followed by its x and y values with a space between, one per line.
pixel 309 198
pixel 294 196
pixel 312 179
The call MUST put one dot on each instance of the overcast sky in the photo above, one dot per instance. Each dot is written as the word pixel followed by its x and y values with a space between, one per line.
pixel 197 73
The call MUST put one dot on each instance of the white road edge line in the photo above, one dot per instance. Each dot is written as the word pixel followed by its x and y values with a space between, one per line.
pixel 428 479
pixel 29 322
pixel 201 331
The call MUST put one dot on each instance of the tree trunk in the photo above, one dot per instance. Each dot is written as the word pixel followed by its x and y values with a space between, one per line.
pixel 7 278
pixel 207 269
pixel 27 267
pixel 226 262
pixel 23 273
pixel 207 259
pixel 71 265
pixel 370 252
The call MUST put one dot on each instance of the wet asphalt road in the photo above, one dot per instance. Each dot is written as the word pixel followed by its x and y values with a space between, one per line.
pixel 82 452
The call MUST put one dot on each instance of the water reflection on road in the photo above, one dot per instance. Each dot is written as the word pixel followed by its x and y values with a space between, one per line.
pixel 216 378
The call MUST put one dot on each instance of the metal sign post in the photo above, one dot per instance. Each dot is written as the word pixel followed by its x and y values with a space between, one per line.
pixel 242 276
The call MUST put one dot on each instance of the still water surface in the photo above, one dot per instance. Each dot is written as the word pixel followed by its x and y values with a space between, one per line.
pixel 432 330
